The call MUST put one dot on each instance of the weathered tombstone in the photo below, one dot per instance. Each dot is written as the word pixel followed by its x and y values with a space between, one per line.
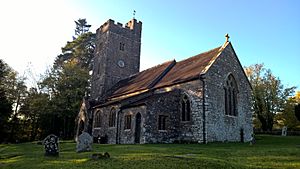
pixel 252 141
pixel 51 145
pixel 84 142
pixel 284 131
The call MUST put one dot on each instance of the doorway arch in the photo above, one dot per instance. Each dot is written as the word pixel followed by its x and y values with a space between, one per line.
pixel 137 133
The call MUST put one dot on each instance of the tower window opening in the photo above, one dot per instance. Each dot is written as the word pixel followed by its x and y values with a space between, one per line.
pixel 122 46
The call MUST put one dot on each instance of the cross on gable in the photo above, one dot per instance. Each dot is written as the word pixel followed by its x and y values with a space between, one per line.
pixel 227 37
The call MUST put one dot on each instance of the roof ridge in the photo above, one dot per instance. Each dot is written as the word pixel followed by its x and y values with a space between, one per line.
pixel 190 58
pixel 135 74
pixel 160 76
pixel 169 61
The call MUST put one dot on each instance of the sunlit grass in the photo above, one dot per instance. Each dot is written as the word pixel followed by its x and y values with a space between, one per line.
pixel 269 152
pixel 11 160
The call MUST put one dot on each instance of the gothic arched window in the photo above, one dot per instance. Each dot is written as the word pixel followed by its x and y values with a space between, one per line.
pixel 97 119
pixel 112 118
pixel 230 95
pixel 185 109
pixel 127 122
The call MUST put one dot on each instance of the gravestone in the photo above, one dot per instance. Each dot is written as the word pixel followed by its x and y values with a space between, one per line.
pixel 84 142
pixel 284 131
pixel 51 145
pixel 252 141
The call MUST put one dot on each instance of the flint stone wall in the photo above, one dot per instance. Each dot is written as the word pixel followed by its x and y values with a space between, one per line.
pixel 221 127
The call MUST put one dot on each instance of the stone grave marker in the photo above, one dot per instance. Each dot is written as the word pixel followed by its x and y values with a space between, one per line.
pixel 84 142
pixel 51 145
pixel 253 140
pixel 284 131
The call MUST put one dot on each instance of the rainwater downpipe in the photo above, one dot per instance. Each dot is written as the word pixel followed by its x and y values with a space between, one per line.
pixel 202 77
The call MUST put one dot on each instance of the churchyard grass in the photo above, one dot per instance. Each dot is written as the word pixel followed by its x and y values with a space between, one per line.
pixel 268 152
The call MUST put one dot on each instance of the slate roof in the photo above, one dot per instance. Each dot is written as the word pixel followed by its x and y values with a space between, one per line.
pixel 167 74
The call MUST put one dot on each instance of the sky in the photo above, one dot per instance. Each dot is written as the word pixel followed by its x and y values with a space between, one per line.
pixel 32 32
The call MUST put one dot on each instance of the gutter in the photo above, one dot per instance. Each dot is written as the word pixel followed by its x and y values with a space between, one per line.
pixel 202 77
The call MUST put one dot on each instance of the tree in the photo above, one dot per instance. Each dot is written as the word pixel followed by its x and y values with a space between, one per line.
pixel 19 92
pixel 287 116
pixel 68 85
pixel 5 104
pixel 13 91
pixel 269 95
pixel 80 50
pixel 81 27
pixel 68 81
pixel 297 111
pixel 33 111
pixel 5 109
pixel 297 106
pixel 73 83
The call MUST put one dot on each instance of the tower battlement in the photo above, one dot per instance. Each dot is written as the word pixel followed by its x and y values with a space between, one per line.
pixel 133 27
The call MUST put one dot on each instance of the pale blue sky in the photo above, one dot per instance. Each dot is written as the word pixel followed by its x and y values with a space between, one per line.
pixel 261 31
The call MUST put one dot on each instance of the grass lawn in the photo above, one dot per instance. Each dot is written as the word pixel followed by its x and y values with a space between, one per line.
pixel 268 152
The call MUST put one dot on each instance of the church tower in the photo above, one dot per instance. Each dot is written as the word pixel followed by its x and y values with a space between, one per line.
pixel 117 55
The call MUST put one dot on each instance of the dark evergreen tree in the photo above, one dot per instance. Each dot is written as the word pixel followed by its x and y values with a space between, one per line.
pixel 81 27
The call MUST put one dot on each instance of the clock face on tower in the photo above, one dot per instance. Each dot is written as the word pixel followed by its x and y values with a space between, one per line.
pixel 121 63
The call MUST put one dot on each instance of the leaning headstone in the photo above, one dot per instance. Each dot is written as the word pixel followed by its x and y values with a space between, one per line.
pixel 284 131
pixel 51 145
pixel 84 142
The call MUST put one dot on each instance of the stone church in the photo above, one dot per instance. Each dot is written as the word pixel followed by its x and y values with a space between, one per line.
pixel 201 99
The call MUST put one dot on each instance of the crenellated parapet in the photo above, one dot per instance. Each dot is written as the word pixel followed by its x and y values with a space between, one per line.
pixel 131 28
